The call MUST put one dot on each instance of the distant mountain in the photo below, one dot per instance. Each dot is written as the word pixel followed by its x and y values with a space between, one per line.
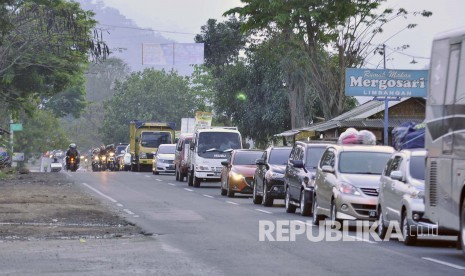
pixel 125 38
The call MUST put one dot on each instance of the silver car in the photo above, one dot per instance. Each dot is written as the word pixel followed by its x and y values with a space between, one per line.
pixel 347 182
pixel 402 188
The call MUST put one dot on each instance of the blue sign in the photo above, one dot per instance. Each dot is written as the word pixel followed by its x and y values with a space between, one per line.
pixel 386 82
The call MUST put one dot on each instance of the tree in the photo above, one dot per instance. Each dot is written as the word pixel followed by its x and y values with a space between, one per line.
pixel 45 45
pixel 150 96
pixel 334 34
pixel 41 132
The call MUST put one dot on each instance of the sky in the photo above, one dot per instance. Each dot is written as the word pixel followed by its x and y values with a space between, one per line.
pixel 180 20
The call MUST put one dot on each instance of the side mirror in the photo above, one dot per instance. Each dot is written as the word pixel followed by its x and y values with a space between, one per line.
pixel 225 163
pixel 259 162
pixel 327 169
pixel 397 175
pixel 297 164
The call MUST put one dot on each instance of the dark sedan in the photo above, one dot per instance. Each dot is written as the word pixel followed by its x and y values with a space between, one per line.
pixel 269 175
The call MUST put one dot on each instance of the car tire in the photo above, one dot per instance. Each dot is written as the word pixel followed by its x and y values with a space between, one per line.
pixel 287 200
pixel 229 192
pixel 267 200
pixel 256 198
pixel 334 216
pixel 181 177
pixel 316 219
pixel 382 229
pixel 196 181
pixel 305 209
pixel 190 181
pixel 409 238
pixel 461 242
pixel 223 190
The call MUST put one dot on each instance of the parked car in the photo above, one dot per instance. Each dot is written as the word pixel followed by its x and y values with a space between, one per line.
pixel 347 182
pixel 402 191
pixel 163 159
pixel 125 165
pixel 120 150
pixel 299 174
pixel 268 180
pixel 238 170
pixel 181 155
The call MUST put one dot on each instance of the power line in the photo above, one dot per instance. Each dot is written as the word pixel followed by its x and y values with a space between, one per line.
pixel 146 29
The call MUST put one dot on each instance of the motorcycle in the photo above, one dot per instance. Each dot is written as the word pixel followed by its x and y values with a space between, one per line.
pixel 95 163
pixel 72 164
pixel 103 162
pixel 111 161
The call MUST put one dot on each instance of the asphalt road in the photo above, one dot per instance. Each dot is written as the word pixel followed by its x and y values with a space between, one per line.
pixel 196 231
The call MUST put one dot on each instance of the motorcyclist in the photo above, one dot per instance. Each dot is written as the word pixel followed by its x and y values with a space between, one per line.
pixel 72 152
pixel 103 157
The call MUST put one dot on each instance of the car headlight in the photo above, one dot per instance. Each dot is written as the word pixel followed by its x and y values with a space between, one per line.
pixel 236 176
pixel 104 157
pixel 112 154
pixel 202 168
pixel 418 194
pixel 347 188
pixel 96 158
pixel 143 155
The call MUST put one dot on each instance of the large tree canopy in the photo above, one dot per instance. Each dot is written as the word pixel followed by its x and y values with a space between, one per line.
pixel 43 47
pixel 150 96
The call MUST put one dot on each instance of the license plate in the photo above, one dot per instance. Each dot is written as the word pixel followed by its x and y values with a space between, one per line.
pixel 217 173
pixel 373 214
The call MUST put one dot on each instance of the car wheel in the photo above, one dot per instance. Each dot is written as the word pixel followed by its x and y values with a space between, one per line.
pixel 287 200
pixel 381 224
pixel 462 227
pixel 267 200
pixel 409 237
pixel 305 209
pixel 334 216
pixel 316 219
pixel 223 190
pixel 190 181
pixel 229 192
pixel 256 198
pixel 196 182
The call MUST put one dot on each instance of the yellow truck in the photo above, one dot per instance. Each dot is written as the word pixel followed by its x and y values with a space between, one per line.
pixel 145 137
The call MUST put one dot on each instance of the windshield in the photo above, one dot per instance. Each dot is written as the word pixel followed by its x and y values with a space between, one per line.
pixel 313 156
pixel 417 167
pixel 154 139
pixel 361 162
pixel 279 156
pixel 214 144
pixel 246 157
pixel 165 149
pixel 119 149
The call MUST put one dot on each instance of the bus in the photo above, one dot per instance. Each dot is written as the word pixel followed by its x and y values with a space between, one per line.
pixel 445 134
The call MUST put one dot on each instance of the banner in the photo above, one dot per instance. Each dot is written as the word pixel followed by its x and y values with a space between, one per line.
pixel 203 119
pixel 386 82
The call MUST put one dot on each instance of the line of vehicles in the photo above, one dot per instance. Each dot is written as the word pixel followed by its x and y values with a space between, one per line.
pixel 415 188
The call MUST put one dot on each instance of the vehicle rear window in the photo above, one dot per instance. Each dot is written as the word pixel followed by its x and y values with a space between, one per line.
pixel 362 162
pixel 313 156
pixel 167 149
pixel 279 156
pixel 418 167
pixel 246 157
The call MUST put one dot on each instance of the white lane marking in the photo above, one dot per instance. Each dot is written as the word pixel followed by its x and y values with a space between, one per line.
pixel 209 196
pixel 306 223
pixel 128 211
pixel 188 190
pixel 233 203
pixel 364 240
pixel 263 211
pixel 443 263
pixel 67 173
pixel 100 193
pixel 171 184
pixel 135 216
pixel 158 180
pixel 119 204
pixel 148 176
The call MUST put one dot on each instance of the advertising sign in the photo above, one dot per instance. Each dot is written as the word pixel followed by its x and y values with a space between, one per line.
pixel 203 119
pixel 16 127
pixel 386 82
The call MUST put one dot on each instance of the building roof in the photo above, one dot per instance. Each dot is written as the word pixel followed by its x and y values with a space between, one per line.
pixel 357 118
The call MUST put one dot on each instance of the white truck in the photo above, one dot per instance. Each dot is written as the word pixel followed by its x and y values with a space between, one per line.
pixel 209 147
